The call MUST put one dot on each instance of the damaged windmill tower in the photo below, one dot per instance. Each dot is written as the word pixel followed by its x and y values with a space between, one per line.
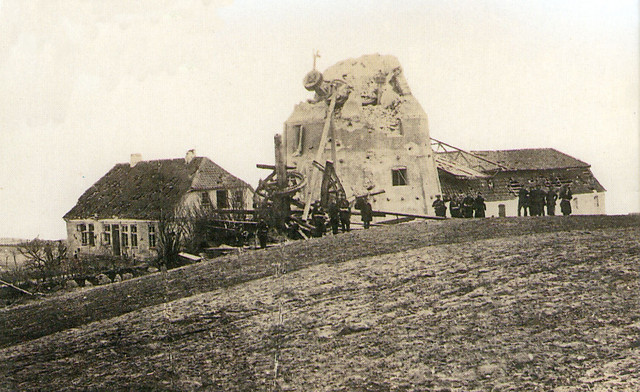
pixel 363 124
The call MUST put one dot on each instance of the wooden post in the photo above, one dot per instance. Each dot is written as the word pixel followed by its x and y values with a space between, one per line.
pixel 281 203
pixel 323 142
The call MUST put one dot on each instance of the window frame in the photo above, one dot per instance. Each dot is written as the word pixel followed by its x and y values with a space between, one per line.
pixel 152 235
pixel 399 176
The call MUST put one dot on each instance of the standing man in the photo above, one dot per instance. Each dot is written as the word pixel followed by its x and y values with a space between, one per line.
pixel 535 197
pixel 318 219
pixel 543 199
pixel 439 207
pixel 552 196
pixel 334 217
pixel 262 230
pixel 467 206
pixel 345 215
pixel 479 206
pixel 454 206
pixel 367 214
pixel 565 199
pixel 523 200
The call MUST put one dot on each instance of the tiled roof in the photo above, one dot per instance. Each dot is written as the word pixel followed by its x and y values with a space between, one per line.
pixel 504 185
pixel 142 191
pixel 530 159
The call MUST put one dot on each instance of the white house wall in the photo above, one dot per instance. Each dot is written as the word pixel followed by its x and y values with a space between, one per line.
pixel 581 204
pixel 141 251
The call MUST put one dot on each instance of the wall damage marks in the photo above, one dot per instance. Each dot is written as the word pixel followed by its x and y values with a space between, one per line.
pixel 378 131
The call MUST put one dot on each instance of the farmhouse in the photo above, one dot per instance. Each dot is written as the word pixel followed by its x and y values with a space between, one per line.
pixel 119 214
pixel 499 175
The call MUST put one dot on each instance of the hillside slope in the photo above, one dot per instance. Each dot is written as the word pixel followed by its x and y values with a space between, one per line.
pixel 31 321
pixel 552 310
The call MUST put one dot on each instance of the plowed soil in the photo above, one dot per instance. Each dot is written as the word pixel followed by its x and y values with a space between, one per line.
pixel 522 304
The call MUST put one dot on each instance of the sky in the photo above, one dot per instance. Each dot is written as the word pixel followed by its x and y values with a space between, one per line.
pixel 84 84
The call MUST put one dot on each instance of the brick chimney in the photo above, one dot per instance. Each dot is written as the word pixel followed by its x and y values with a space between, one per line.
pixel 190 155
pixel 135 158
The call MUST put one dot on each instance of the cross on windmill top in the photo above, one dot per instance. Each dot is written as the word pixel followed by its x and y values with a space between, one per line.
pixel 315 55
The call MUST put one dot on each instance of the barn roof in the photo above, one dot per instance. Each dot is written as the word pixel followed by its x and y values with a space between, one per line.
pixel 529 159
pixel 142 191
pixel 505 185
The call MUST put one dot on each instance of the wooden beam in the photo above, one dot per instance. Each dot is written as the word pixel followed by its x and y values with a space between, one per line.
pixel 271 167
pixel 396 220
pixel 409 215
pixel 232 211
pixel 19 289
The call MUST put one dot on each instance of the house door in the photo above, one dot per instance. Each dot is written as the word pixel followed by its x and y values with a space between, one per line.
pixel 115 232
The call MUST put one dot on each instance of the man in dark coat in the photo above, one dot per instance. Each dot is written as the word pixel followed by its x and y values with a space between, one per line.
pixel 345 215
pixel 479 206
pixel 552 196
pixel 334 217
pixel 467 206
pixel 536 201
pixel 523 200
pixel 262 231
pixel 318 219
pixel 454 206
pixel 366 214
pixel 565 199
pixel 439 207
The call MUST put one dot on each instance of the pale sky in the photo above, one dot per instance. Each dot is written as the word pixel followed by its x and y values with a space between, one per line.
pixel 83 84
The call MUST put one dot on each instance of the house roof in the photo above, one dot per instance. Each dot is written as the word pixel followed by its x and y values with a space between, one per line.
pixel 505 185
pixel 529 159
pixel 142 191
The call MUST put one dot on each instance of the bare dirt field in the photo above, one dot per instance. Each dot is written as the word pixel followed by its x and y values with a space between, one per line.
pixel 522 304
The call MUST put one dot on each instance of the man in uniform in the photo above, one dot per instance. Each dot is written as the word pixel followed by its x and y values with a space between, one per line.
pixel 523 200
pixel 535 199
pixel 345 215
pixel 552 196
pixel 367 214
pixel 318 219
pixel 467 206
pixel 262 230
pixel 439 207
pixel 565 200
pixel 334 217
pixel 479 206
pixel 454 206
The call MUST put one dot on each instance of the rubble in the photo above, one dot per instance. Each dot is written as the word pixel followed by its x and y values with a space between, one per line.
pixel 377 105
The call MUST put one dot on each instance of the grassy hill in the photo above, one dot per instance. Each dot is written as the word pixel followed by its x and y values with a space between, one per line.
pixel 538 303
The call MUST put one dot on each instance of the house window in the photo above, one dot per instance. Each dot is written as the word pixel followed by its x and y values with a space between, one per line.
pixel 106 235
pixel 134 235
pixel 86 233
pixel 221 199
pixel 238 199
pixel 399 176
pixel 205 200
pixel 596 200
pixel 124 236
pixel 152 235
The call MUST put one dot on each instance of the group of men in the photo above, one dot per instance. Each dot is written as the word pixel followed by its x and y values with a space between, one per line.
pixel 339 214
pixel 534 200
pixel 461 206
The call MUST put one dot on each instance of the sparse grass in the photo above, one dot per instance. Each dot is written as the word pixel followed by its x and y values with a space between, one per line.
pixel 463 313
